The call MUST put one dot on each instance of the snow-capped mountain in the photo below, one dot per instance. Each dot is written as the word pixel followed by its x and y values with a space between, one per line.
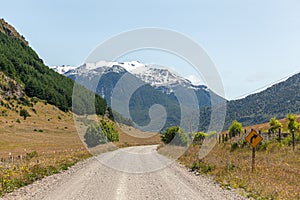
pixel 163 88
pixel 161 79
pixel 62 69
pixel 157 77
pixel 98 69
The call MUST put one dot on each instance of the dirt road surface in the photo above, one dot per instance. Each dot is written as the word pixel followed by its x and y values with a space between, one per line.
pixel 130 173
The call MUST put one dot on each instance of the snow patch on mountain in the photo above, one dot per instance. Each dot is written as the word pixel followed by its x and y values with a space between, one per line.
pixel 62 69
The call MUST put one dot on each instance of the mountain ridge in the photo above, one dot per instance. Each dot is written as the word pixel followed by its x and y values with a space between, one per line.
pixel 252 109
pixel 9 30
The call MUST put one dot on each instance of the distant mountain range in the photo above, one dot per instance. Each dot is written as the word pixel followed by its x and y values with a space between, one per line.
pixel 160 86
pixel 158 78
pixel 278 100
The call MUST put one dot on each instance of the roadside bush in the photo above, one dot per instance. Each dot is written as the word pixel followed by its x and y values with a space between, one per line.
pixel 101 133
pixel 289 141
pixel 174 135
pixel 234 146
pixel 109 130
pixel 199 136
pixel 202 167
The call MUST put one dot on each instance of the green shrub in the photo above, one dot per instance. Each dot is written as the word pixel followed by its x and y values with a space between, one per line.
pixel 101 133
pixel 31 155
pixel 199 136
pixel 235 128
pixel 109 130
pixel 174 135
pixel 202 167
pixel 33 110
pixel 3 113
pixel 234 146
pixel 24 113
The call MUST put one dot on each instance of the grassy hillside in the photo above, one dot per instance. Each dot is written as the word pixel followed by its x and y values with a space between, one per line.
pixel 47 142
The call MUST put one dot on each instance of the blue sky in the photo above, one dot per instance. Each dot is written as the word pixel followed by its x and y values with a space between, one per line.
pixel 252 42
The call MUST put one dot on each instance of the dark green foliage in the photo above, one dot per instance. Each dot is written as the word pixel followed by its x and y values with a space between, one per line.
pixel 101 133
pixel 234 146
pixel 3 113
pixel 24 113
pixel 199 136
pixel 21 63
pixel 174 135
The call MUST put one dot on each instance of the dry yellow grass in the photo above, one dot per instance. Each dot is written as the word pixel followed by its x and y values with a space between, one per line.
pixel 58 134
pixel 50 135
pixel 129 136
pixel 46 141
pixel 49 131
pixel 277 169
pixel 276 176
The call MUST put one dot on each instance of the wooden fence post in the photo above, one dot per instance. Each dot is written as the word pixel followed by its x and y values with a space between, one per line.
pixel 293 138
pixel 253 159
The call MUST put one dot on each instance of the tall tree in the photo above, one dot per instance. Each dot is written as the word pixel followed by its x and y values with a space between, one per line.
pixel 235 128
pixel 275 124
pixel 293 124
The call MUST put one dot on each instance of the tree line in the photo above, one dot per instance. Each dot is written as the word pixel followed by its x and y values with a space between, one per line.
pixel 176 136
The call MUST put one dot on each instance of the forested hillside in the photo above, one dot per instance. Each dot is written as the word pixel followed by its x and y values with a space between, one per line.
pixel 21 63
pixel 276 101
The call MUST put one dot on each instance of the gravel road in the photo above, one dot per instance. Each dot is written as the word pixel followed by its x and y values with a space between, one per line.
pixel 109 179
